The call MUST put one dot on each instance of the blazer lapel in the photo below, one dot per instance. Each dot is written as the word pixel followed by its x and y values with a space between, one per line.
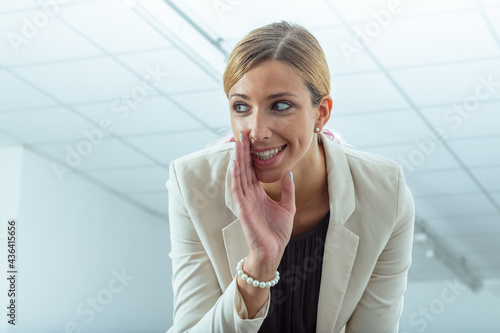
pixel 341 244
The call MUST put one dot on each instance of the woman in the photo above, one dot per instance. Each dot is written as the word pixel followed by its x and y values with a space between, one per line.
pixel 286 230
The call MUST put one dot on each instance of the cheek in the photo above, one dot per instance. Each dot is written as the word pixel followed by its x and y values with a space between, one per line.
pixel 237 125
pixel 303 140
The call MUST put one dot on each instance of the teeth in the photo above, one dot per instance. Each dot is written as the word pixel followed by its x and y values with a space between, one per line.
pixel 266 155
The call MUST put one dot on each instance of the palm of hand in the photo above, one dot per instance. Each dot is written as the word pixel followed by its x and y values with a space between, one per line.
pixel 267 224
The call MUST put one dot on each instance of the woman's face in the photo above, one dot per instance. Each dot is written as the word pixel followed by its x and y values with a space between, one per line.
pixel 272 106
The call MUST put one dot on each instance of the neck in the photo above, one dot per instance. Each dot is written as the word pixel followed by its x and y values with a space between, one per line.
pixel 309 176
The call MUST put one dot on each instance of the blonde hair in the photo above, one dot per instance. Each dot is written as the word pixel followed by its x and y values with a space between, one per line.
pixel 282 41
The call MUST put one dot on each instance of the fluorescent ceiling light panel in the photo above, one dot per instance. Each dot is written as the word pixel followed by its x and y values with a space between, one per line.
pixel 182 34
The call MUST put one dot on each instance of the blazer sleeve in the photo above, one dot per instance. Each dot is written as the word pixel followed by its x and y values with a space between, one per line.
pixel 381 304
pixel 199 303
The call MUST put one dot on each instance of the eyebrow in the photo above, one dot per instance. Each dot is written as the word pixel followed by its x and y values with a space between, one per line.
pixel 270 97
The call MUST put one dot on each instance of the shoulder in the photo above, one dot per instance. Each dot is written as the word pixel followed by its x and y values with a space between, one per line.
pixel 213 156
pixel 366 161
pixel 380 184
pixel 377 175
pixel 197 186
pixel 377 181
pixel 201 168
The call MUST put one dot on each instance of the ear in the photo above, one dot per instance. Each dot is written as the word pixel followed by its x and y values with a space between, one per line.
pixel 324 110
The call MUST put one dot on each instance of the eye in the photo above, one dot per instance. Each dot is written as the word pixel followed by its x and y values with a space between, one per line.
pixel 239 108
pixel 282 106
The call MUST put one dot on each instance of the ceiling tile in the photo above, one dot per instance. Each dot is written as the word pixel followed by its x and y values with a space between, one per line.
pixel 341 52
pixel 490 2
pixel 157 201
pixel 103 154
pixel 89 80
pixel 493 15
pixel 152 115
pixel 423 265
pixel 488 177
pixel 427 154
pixel 167 147
pixel 454 205
pixel 424 268
pixel 496 197
pixel 31 6
pixel 441 183
pixel 151 178
pixel 7 140
pixel 362 10
pixel 490 273
pixel 480 243
pixel 225 17
pixel 364 92
pixel 51 42
pixel 26 5
pixel 451 84
pixel 14 92
pixel 478 152
pixel 129 32
pixel 378 128
pixel 483 259
pixel 457 122
pixel 178 72
pixel 463 226
pixel 212 107
pixel 43 125
pixel 434 39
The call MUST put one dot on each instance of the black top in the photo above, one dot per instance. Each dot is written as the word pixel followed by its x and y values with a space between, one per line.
pixel 294 300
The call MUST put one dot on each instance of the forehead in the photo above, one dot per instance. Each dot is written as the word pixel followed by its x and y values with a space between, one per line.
pixel 269 77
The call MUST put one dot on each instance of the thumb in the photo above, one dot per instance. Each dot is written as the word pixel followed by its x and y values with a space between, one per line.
pixel 288 192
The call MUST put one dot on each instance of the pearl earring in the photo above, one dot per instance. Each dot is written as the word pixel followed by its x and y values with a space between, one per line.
pixel 316 130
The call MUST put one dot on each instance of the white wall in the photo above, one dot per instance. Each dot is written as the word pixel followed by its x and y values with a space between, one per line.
pixel 74 238
pixel 448 306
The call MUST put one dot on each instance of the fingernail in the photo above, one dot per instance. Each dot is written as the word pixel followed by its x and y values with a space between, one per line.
pixel 291 175
pixel 240 136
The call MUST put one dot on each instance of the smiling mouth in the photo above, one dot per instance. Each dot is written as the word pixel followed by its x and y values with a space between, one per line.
pixel 266 155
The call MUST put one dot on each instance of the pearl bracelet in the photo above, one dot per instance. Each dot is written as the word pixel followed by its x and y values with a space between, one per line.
pixel 256 283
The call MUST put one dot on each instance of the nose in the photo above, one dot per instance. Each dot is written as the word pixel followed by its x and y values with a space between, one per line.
pixel 260 127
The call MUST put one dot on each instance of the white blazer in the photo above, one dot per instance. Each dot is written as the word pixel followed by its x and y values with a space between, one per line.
pixel 367 247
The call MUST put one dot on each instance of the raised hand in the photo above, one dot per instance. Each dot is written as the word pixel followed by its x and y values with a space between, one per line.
pixel 267 224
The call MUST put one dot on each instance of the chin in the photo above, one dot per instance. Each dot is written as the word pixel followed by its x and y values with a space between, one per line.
pixel 268 176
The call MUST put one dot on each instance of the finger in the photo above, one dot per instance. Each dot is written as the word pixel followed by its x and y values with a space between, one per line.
pixel 249 168
pixel 236 183
pixel 288 192
pixel 241 154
